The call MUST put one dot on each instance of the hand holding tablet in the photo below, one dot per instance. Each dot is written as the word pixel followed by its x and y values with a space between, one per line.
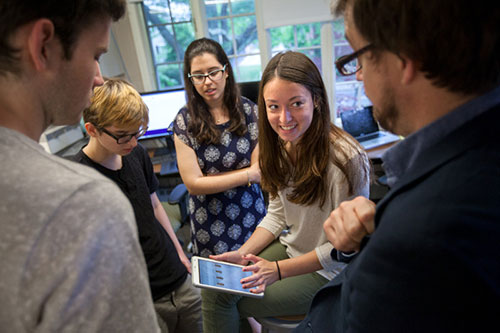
pixel 221 276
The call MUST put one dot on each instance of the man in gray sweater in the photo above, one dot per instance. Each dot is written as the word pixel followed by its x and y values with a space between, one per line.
pixel 69 253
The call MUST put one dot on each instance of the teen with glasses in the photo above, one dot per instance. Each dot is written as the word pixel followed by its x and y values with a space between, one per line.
pixel 217 152
pixel 116 118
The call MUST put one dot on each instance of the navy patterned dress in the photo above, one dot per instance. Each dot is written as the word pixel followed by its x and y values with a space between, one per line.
pixel 223 221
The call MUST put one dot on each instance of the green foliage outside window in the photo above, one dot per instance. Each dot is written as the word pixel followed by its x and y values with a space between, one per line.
pixel 171 30
pixel 304 38
pixel 232 24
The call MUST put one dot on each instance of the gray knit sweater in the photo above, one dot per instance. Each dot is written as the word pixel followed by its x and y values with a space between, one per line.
pixel 70 260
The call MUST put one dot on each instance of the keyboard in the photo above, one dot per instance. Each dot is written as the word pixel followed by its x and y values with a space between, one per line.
pixel 369 137
pixel 162 159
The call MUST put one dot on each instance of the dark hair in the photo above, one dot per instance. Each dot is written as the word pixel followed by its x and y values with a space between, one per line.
pixel 201 124
pixel 314 148
pixel 455 42
pixel 69 17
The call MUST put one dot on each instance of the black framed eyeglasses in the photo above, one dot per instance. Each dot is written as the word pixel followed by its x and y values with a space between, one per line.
pixel 348 64
pixel 126 137
pixel 215 75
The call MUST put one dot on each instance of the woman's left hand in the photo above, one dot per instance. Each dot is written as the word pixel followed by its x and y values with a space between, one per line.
pixel 264 274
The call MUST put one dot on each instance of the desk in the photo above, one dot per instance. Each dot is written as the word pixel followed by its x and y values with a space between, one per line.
pixel 156 166
pixel 377 152
pixel 168 180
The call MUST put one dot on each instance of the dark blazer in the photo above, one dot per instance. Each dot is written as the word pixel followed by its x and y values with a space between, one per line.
pixel 433 262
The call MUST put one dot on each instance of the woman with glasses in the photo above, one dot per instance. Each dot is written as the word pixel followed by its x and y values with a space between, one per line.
pixel 309 166
pixel 217 152
pixel 116 118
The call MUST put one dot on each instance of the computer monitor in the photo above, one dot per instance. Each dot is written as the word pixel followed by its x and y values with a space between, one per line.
pixel 163 107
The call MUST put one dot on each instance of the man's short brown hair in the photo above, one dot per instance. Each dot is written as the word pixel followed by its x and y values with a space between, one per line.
pixel 69 17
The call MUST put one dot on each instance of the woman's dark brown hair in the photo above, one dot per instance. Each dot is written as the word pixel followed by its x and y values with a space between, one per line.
pixel 309 176
pixel 201 124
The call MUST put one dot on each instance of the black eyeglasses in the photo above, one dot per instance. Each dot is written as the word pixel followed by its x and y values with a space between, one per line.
pixel 215 75
pixel 126 137
pixel 348 64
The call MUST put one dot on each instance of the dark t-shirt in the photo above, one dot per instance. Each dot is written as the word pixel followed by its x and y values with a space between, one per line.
pixel 137 180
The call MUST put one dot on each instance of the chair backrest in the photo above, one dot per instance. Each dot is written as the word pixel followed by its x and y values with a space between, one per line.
pixel 250 90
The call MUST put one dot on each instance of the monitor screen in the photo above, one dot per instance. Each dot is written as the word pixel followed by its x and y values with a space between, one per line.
pixel 163 107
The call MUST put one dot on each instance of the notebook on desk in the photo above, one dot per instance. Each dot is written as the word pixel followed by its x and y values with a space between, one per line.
pixel 363 127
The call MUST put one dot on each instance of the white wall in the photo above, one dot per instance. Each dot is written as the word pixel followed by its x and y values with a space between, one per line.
pixel 287 12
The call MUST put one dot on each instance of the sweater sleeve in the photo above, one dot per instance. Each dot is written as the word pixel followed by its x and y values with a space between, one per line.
pixel 274 221
pixel 324 256
pixel 359 164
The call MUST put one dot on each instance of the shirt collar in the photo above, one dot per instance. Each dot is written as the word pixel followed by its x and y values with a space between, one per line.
pixel 398 159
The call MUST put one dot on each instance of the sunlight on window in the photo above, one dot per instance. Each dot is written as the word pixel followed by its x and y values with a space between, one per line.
pixel 232 24
pixel 170 30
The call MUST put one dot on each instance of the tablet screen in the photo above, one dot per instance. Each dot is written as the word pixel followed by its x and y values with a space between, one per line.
pixel 221 275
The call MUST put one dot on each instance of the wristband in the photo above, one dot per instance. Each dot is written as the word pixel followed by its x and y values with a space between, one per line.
pixel 279 272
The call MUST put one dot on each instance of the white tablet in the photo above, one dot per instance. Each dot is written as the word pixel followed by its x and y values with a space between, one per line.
pixel 220 275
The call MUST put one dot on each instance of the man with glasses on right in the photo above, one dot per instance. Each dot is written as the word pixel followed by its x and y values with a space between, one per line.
pixel 429 253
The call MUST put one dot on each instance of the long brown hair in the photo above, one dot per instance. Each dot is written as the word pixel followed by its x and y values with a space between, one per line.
pixel 200 123
pixel 310 184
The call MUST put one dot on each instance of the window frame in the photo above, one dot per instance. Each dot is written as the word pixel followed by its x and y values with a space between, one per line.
pixel 235 56
pixel 179 62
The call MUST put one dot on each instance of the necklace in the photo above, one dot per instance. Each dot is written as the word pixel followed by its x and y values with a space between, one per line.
pixel 220 119
pixel 219 115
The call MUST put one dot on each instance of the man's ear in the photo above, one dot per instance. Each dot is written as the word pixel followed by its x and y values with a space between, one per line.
pixel 43 45
pixel 91 129
pixel 408 68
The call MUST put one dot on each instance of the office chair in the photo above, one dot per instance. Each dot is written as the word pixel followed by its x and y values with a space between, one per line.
pixel 283 324
pixel 176 206
pixel 250 90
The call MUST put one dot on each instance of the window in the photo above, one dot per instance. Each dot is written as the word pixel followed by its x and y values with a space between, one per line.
pixel 170 29
pixel 349 93
pixel 304 38
pixel 232 23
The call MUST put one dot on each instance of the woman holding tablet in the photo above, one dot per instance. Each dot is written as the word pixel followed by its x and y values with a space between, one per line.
pixel 309 167
pixel 217 152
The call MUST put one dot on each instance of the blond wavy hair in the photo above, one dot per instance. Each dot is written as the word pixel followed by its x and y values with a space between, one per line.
pixel 116 103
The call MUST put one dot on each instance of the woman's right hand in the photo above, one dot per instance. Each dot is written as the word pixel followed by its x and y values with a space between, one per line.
pixel 254 173
pixel 233 256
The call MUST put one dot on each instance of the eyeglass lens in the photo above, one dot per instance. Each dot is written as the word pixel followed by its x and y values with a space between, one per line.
pixel 350 67
pixel 215 75
pixel 128 137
